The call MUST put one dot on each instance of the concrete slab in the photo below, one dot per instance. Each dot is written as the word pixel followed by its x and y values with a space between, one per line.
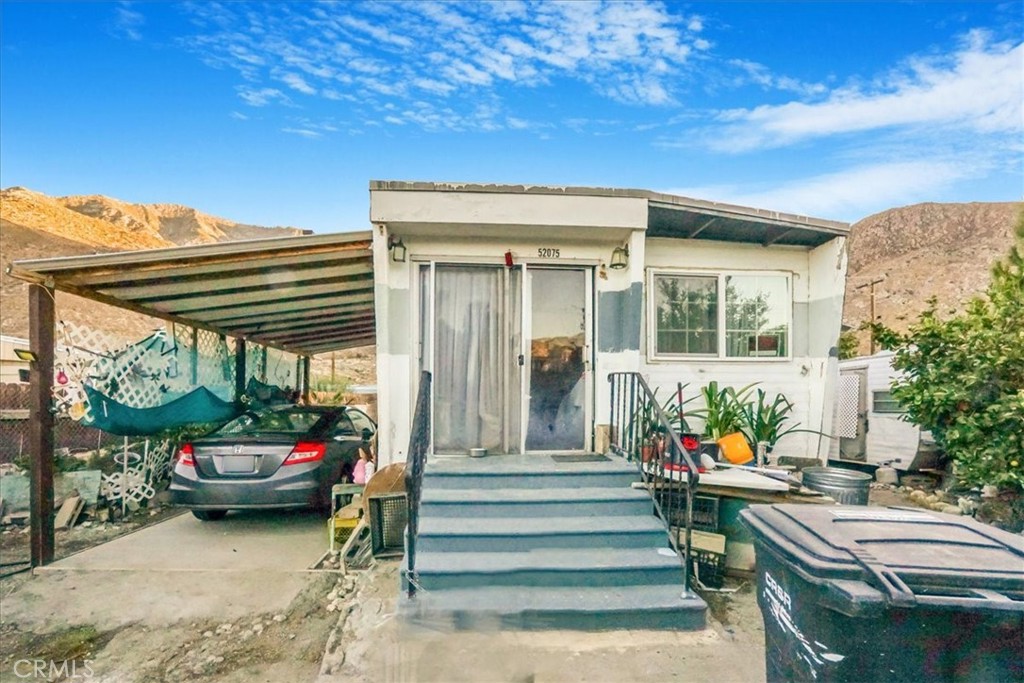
pixel 178 570
pixel 242 541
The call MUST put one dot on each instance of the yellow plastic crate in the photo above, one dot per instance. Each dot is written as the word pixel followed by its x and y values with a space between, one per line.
pixel 342 527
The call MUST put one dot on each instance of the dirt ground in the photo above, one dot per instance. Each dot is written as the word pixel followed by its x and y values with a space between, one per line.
pixel 342 628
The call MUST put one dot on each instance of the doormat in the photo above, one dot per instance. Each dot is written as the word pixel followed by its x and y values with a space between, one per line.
pixel 583 457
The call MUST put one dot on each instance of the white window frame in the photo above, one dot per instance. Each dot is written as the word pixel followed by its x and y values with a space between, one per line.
pixel 721 275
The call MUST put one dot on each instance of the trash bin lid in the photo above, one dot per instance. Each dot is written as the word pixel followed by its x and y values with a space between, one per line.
pixel 910 555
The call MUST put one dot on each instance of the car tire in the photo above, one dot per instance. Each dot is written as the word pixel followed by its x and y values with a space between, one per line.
pixel 209 515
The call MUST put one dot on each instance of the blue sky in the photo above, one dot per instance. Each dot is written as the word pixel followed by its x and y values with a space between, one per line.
pixel 280 113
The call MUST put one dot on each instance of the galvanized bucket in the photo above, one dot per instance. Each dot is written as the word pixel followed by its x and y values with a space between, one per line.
pixel 846 487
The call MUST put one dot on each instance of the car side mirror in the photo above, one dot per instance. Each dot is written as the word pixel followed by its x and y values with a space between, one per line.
pixel 367 433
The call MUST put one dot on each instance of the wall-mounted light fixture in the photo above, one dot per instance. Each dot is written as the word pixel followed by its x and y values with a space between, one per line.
pixel 25 354
pixel 620 258
pixel 397 247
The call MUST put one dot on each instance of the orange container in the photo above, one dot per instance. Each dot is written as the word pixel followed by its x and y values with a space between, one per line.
pixel 735 448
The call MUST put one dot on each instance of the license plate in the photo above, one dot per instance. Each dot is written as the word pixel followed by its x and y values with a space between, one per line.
pixel 237 463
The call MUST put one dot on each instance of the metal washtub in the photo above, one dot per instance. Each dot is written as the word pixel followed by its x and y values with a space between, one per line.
pixel 846 487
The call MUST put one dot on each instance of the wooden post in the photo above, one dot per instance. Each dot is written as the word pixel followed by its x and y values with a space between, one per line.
pixel 263 368
pixel 239 369
pixel 41 319
pixel 305 380
pixel 194 357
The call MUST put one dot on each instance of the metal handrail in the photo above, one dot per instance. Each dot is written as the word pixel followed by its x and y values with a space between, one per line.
pixel 642 433
pixel 416 461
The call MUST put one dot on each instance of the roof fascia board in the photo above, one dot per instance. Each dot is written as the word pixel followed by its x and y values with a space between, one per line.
pixel 32 269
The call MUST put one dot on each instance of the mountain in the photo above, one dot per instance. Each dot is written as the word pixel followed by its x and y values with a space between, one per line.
pixel 173 222
pixel 34 225
pixel 928 250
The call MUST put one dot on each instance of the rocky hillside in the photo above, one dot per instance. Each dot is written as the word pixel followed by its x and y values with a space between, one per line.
pixel 34 225
pixel 173 222
pixel 921 251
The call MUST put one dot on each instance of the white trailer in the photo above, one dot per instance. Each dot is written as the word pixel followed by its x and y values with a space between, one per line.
pixel 871 425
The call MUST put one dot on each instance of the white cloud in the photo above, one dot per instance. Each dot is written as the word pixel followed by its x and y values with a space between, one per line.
pixel 261 97
pixel 450 53
pixel 128 22
pixel 297 82
pixel 302 132
pixel 979 87
pixel 239 115
pixel 849 194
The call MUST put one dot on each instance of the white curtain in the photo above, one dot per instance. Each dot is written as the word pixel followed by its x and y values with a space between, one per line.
pixel 467 363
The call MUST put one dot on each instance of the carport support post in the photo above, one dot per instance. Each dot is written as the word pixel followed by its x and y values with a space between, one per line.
pixel 40 437
pixel 305 380
pixel 239 370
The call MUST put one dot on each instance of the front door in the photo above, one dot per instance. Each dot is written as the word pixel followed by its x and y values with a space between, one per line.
pixel 557 384
pixel 509 351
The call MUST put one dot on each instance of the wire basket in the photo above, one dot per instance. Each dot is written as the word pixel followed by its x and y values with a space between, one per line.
pixel 389 514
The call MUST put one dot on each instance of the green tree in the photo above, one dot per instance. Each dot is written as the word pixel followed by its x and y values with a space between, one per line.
pixel 848 345
pixel 963 376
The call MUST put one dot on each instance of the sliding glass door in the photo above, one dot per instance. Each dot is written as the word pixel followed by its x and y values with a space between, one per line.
pixel 492 389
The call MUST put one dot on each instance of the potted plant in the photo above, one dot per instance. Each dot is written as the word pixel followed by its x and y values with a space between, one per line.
pixel 764 421
pixel 723 414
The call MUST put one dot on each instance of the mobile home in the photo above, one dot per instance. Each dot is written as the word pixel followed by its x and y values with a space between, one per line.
pixel 522 299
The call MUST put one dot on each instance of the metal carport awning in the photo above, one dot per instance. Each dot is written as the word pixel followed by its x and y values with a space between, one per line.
pixel 305 295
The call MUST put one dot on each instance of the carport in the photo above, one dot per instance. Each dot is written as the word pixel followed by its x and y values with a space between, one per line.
pixel 303 295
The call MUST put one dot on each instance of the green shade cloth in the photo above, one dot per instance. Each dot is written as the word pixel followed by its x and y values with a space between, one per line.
pixel 199 406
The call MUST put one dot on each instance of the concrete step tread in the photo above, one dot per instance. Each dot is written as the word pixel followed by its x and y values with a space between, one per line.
pixel 530 495
pixel 575 560
pixel 517 599
pixel 538 464
pixel 537 526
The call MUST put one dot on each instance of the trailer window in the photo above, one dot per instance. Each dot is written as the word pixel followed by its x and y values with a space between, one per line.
pixel 883 402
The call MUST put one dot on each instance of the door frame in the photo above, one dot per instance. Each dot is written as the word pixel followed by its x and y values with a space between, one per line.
pixel 424 358
pixel 588 351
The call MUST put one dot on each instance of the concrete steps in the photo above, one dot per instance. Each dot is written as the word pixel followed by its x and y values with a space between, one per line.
pixel 552 502
pixel 526 542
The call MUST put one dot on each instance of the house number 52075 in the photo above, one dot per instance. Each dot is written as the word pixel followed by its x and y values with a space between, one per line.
pixel 544 252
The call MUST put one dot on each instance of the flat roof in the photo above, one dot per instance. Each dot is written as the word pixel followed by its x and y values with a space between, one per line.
pixel 671 216
pixel 305 294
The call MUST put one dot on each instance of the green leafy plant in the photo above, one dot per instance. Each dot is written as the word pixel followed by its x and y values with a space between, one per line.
pixel 723 409
pixel 765 420
pixel 963 377
pixel 848 345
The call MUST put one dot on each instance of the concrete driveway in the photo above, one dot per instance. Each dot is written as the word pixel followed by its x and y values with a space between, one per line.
pixel 176 570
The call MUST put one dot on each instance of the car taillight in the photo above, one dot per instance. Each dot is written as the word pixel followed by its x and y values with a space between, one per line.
pixel 306 451
pixel 186 455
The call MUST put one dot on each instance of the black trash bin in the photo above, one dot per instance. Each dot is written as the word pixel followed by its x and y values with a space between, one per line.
pixel 850 593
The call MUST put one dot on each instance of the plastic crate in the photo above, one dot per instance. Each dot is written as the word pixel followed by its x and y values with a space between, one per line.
pixel 705 510
pixel 342 529
pixel 389 515
pixel 708 567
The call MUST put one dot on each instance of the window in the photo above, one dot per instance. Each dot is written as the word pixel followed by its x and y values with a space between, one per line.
pixel 687 314
pixel 360 420
pixel 726 316
pixel 883 402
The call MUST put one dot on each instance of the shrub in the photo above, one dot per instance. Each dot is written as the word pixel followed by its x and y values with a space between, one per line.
pixel 963 377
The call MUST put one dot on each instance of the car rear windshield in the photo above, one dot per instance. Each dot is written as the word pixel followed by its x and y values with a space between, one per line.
pixel 274 422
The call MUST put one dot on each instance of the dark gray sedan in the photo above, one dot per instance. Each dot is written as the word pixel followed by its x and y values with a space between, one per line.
pixel 281 457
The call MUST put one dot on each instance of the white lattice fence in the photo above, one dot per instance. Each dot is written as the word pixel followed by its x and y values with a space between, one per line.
pixel 848 406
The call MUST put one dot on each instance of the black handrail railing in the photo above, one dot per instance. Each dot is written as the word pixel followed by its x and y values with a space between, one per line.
pixel 641 432
pixel 416 461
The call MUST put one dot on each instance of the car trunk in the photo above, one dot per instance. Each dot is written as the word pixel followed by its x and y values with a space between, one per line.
pixel 253 457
